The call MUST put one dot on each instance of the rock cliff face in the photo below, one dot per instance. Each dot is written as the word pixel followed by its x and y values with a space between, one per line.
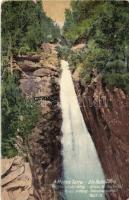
pixel 16 179
pixel 40 80
pixel 106 114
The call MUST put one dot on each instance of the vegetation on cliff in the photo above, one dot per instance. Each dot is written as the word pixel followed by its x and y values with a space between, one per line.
pixel 19 115
pixel 25 27
pixel 103 26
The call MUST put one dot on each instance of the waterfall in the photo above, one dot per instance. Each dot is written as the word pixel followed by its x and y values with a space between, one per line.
pixel 83 174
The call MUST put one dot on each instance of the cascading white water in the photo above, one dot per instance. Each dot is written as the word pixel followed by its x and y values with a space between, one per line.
pixel 83 174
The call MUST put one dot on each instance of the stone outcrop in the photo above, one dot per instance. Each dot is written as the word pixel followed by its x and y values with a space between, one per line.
pixel 40 81
pixel 78 47
pixel 106 114
pixel 16 179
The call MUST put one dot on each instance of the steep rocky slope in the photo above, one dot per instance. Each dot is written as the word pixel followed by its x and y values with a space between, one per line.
pixel 16 179
pixel 40 80
pixel 106 114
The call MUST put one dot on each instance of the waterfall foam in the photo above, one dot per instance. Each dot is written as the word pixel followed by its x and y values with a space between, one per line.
pixel 83 174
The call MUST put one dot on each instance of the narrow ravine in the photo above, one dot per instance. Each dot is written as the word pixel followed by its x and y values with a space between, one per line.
pixel 83 174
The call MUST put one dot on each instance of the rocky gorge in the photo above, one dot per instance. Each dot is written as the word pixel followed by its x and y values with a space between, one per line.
pixel 106 114
pixel 44 142
pixel 40 81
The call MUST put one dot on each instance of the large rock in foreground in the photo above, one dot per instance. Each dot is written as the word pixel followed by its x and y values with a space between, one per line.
pixel 16 179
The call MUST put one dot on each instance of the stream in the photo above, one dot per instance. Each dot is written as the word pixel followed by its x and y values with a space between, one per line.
pixel 83 177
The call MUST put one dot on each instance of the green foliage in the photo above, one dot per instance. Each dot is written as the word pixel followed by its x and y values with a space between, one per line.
pixel 104 27
pixel 25 25
pixel 63 52
pixel 95 57
pixel 116 66
pixel 117 80
pixel 76 58
pixel 82 15
pixel 19 115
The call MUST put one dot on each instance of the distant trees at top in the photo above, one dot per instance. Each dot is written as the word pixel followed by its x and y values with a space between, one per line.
pixel 25 26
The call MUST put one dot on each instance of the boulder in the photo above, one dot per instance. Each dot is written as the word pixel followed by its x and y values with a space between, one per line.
pixel 17 183
pixel 29 86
